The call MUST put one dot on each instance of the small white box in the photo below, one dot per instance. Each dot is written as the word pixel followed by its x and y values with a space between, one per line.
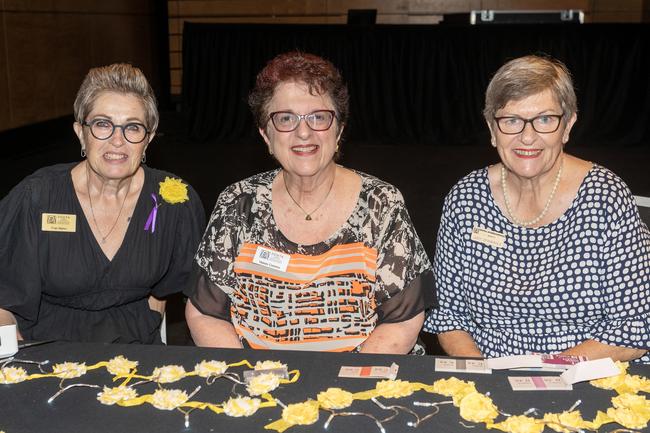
pixel 8 341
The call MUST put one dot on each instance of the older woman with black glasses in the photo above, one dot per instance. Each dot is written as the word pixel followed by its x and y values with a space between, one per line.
pixel 543 252
pixel 311 256
pixel 89 250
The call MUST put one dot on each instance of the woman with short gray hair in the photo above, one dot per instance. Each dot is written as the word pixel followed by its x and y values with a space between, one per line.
pixel 89 250
pixel 543 252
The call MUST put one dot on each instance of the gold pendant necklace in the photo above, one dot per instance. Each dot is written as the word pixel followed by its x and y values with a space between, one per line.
pixel 537 219
pixel 308 214
pixel 92 211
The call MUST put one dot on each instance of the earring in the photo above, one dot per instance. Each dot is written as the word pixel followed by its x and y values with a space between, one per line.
pixel 83 152
pixel 144 157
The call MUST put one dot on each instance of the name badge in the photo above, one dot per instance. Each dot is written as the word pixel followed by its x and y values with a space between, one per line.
pixel 58 222
pixel 488 237
pixel 271 259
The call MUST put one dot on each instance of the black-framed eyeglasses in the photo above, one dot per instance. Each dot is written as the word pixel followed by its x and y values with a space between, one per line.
pixel 286 121
pixel 103 129
pixel 543 124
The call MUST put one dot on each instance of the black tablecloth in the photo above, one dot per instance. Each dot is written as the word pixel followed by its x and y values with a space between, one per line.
pixel 24 407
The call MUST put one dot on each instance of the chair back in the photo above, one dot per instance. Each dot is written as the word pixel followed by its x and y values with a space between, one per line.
pixel 643 204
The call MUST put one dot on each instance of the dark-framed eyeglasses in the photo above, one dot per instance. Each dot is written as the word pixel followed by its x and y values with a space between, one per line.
pixel 543 124
pixel 103 129
pixel 286 121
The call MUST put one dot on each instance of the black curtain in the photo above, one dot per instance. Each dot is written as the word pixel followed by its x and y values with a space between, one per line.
pixel 421 84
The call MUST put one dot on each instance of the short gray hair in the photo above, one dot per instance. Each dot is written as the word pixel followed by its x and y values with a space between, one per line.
pixel 120 78
pixel 527 76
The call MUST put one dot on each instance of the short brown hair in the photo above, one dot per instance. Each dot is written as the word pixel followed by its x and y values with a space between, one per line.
pixel 320 75
pixel 526 76
pixel 120 78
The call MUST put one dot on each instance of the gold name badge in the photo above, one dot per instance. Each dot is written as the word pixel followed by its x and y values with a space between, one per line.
pixel 59 222
pixel 488 237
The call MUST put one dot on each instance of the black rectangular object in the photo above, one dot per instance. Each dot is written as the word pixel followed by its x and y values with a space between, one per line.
pixel 568 16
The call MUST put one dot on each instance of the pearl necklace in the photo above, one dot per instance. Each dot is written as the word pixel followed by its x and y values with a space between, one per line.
pixel 308 214
pixel 546 206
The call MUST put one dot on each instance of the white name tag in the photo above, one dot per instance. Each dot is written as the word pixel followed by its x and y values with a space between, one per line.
pixel 488 237
pixel 271 259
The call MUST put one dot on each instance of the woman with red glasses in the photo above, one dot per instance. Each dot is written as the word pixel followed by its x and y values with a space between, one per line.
pixel 313 255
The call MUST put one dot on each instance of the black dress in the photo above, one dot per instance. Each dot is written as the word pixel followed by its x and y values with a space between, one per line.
pixel 61 285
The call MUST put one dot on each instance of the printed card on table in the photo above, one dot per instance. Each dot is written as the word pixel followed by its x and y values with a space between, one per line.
pixel 370 372
pixel 538 383
pixel 462 365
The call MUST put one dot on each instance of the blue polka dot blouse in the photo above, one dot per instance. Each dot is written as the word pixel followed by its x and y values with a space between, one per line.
pixel 584 276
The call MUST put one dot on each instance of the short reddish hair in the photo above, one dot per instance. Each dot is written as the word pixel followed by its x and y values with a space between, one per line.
pixel 320 75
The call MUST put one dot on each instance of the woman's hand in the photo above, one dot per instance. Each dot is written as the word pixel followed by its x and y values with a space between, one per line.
pixel 6 318
pixel 459 343
pixel 398 338
pixel 208 331
pixel 157 304
pixel 593 349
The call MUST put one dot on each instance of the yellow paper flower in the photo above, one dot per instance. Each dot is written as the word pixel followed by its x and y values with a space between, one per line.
pixel 394 388
pixel 612 381
pixel 453 387
pixel 120 365
pixel 628 418
pixel 173 190
pixel 477 407
pixel 301 413
pixel 241 406
pixel 335 398
pixel 114 395
pixel 633 384
pixel 168 399
pixel 600 420
pixel 269 365
pixel 560 422
pixel 519 424
pixel 69 370
pixel 263 383
pixel 210 368
pixel 632 411
pixel 12 375
pixel 168 373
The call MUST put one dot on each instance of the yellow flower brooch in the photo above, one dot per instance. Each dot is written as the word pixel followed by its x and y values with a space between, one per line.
pixel 173 190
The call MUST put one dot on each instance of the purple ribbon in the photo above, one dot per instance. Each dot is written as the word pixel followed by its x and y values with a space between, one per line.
pixel 151 221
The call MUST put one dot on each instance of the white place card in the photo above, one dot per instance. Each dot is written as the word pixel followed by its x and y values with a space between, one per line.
pixel 538 383
pixel 590 370
pixel 370 372
pixel 462 365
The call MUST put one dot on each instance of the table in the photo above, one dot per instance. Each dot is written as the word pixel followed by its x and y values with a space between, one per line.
pixel 24 407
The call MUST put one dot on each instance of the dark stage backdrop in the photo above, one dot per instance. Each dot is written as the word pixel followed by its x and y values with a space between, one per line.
pixel 421 84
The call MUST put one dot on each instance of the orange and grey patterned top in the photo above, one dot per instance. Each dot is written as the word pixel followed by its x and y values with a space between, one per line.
pixel 328 296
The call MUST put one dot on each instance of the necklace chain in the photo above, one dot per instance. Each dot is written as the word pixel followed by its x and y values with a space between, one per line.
pixel 308 214
pixel 92 211
pixel 546 206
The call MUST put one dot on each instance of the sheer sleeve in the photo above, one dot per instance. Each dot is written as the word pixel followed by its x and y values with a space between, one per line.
pixel 625 276
pixel 452 312
pixel 189 226
pixel 214 278
pixel 20 276
pixel 404 277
